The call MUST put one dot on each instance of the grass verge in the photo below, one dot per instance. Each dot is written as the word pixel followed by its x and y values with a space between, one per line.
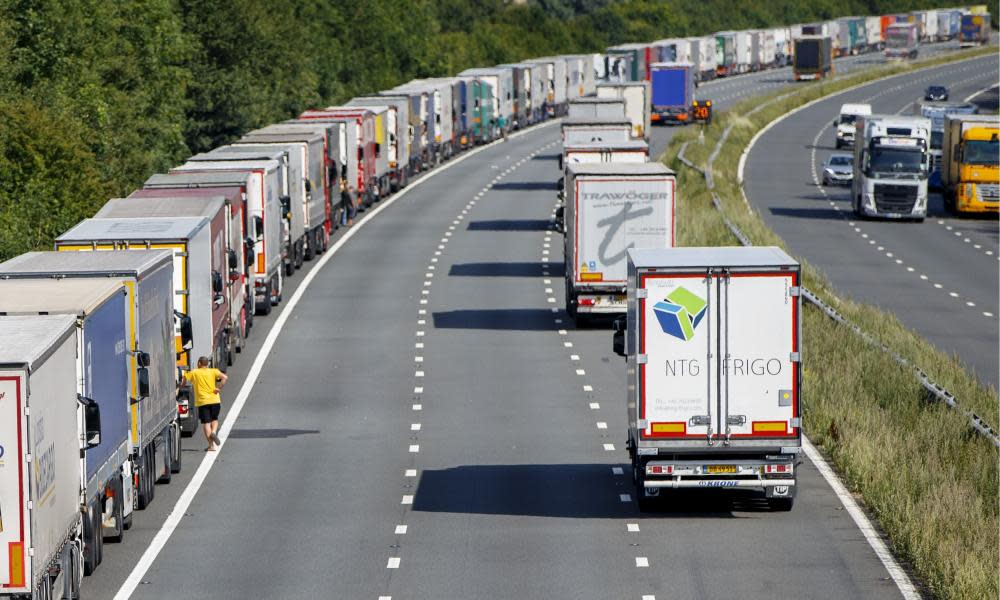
pixel 930 481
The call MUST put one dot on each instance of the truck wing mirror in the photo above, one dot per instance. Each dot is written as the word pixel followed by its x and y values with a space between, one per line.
pixel 142 359
pixel 233 260
pixel 217 284
pixel 309 185
pixel 187 331
pixel 286 207
pixel 91 421
pixel 142 377
pixel 258 225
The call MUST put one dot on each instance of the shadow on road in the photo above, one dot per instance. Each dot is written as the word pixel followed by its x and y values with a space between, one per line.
pixel 511 225
pixel 268 434
pixel 522 186
pixel 578 491
pixel 512 319
pixel 506 269
pixel 807 213
pixel 546 157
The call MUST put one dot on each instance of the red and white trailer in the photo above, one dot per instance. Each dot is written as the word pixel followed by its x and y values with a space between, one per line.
pixel 712 343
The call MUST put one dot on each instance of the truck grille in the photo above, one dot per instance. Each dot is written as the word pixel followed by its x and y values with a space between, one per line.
pixel 989 192
pixel 891 198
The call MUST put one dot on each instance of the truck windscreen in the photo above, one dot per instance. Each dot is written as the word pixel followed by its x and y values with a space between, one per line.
pixel 900 39
pixel 982 152
pixel 894 160
pixel 937 138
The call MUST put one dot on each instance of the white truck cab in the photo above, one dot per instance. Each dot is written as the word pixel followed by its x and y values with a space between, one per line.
pixel 845 122
pixel 891 165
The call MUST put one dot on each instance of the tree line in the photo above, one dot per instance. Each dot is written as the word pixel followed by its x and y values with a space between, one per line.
pixel 95 96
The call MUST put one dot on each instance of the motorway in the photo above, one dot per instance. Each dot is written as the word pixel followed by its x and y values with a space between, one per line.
pixel 429 424
pixel 940 277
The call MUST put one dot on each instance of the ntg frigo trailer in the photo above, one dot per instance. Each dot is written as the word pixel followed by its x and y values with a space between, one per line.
pixel 712 346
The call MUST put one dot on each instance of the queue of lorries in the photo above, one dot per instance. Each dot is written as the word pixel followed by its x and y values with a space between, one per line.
pixel 98 332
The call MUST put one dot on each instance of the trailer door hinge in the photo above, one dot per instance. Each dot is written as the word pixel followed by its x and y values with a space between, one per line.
pixel 641 359
pixel 795 291
pixel 794 357
pixel 641 293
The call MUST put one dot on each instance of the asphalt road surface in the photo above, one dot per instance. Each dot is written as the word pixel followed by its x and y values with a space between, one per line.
pixel 939 277
pixel 429 424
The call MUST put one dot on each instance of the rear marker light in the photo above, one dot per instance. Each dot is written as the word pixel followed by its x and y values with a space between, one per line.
pixel 586 301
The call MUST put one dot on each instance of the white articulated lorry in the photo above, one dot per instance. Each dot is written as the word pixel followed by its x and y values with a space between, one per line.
pixel 891 166
pixel 611 207
pixel 712 342
pixel 41 540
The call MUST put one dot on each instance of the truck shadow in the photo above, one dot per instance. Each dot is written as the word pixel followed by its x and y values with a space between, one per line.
pixel 268 434
pixel 807 213
pixel 526 186
pixel 546 157
pixel 511 225
pixel 511 319
pixel 577 491
pixel 507 269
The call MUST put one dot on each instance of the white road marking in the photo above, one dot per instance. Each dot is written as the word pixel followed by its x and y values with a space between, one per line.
pixel 987 314
pixel 609 447
pixel 581 372
pixel 574 357
pixel 588 388
pixel 420 334
pixel 418 345
pixel 552 300
pixel 408 499
pixel 415 426
pixel 644 597
pixel 393 563
pixel 425 292
pixel 863 523
pixel 401 529
pixel 418 390
pixel 414 448
pixel 632 527
pixel 410 473
pixel 418 374
pixel 595 406
pixel 547 281
pixel 602 425
pixel 418 407
pixel 641 561
pixel 562 332
pixel 617 471
pixel 568 344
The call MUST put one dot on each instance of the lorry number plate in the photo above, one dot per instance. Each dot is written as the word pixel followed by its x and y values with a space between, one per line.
pixel 720 469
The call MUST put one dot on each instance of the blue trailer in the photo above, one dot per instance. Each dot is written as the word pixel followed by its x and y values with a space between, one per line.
pixel 975 30
pixel 672 94
pixel 100 308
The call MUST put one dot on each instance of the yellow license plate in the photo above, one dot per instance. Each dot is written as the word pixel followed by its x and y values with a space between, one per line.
pixel 720 469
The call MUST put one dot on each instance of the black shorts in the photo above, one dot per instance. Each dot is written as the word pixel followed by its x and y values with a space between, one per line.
pixel 209 412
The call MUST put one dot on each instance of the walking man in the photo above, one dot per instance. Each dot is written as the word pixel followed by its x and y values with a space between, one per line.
pixel 206 383
pixel 348 199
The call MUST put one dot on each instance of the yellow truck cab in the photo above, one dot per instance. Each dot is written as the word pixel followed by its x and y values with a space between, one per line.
pixel 970 163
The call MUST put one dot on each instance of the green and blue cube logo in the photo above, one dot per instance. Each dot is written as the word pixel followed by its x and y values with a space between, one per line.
pixel 680 313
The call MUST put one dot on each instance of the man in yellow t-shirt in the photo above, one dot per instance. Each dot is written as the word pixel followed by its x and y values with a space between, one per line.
pixel 206 383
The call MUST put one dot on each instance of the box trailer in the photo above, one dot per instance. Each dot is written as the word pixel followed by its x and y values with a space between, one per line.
pixel 595 130
pixel 703 55
pixel 611 207
pixel 812 58
pixel 399 137
pixel 672 87
pixel 156 409
pixel 974 30
pixel 637 103
pixel 169 204
pixel 576 69
pixel 238 188
pixel 712 346
pixel 725 53
pixel 360 148
pixel 100 372
pixel 970 174
pixel 902 40
pixel 270 246
pixel 42 534
pixel 632 151
pixel 318 182
pixel 199 271
pixel 639 57
pixel 593 107
pixel 554 84
pixel 339 161
pixel 501 79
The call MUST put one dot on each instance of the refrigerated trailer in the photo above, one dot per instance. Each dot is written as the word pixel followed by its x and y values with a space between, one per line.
pixel 555 82
pixel 595 130
pixel 40 491
pixel 99 370
pixel 157 411
pixel 812 57
pixel 597 108
pixel 611 207
pixel 632 151
pixel 636 96
pixel 712 346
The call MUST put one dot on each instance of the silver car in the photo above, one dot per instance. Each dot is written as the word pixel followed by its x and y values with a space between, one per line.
pixel 838 169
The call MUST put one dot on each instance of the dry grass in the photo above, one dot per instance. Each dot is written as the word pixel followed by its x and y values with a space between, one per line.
pixel 930 481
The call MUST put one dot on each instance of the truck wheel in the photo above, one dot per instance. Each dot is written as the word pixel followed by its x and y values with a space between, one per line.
pixel 168 452
pixel 178 447
pixel 780 504
pixel 117 496
pixel 311 247
pixel 127 521
pixel 300 253
pixel 90 539
pixel 145 480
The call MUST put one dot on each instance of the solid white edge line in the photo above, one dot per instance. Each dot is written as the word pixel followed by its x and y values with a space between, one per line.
pixel 863 523
pixel 159 540
pixel 982 91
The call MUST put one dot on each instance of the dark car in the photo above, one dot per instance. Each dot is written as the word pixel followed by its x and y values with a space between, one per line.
pixel 936 93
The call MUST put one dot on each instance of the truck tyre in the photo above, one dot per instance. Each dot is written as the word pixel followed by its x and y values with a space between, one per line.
pixel 311 246
pixel 178 448
pixel 72 575
pixel 168 452
pixel 781 504
pixel 90 539
pixel 118 510
pixel 300 254
pixel 127 521
pixel 145 493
